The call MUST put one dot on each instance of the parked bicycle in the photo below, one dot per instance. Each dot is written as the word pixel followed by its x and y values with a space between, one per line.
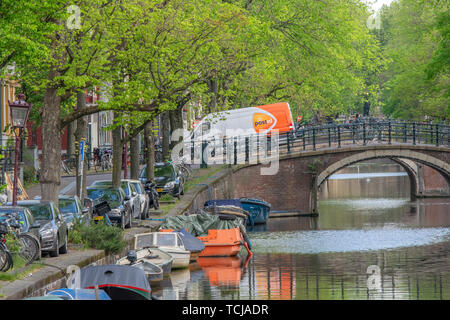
pixel 26 245
pixel 184 168
pixel 102 159
pixel 69 164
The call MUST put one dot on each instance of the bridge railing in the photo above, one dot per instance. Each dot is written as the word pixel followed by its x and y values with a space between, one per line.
pixel 372 132
pixel 244 149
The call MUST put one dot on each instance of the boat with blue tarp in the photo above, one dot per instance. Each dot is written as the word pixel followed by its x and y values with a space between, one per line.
pixel 258 209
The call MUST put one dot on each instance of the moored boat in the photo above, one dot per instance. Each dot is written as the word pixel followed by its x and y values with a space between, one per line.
pixel 191 243
pixel 169 242
pixel 258 210
pixel 219 243
pixel 79 294
pixel 220 237
pixel 231 208
pixel 120 282
pixel 152 271
pixel 153 255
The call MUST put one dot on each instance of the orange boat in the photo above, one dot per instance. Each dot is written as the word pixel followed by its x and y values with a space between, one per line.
pixel 220 243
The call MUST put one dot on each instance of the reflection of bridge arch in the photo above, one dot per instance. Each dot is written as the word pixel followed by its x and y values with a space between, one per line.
pixel 442 167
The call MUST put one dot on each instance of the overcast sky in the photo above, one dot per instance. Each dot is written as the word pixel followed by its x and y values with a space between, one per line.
pixel 377 4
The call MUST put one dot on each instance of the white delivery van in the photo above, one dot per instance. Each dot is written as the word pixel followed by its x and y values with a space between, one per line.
pixel 243 122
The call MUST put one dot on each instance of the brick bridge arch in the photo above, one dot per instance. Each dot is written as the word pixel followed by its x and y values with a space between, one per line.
pixel 295 185
pixel 443 167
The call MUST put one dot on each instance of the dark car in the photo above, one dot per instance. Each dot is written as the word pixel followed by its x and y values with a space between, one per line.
pixel 71 208
pixel 53 229
pixel 130 191
pixel 118 201
pixel 25 217
pixel 167 179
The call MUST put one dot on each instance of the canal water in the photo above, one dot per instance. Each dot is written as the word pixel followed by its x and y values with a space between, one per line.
pixel 368 242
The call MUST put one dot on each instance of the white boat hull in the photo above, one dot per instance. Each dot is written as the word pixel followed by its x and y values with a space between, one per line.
pixel 181 258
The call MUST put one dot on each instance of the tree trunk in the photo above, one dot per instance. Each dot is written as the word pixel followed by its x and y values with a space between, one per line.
pixel 81 133
pixel 50 177
pixel 149 150
pixel 71 127
pixel 117 154
pixel 165 127
pixel 134 157
pixel 176 122
pixel 212 104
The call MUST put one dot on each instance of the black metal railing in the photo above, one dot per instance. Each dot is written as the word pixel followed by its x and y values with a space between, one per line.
pixel 311 138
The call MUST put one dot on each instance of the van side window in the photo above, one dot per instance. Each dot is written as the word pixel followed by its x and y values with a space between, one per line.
pixel 206 126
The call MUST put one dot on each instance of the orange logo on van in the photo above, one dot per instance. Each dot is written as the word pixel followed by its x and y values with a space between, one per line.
pixel 262 121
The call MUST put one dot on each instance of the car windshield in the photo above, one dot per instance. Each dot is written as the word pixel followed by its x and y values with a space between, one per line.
pixel 124 185
pixel 67 206
pixel 138 187
pixel 40 211
pixel 109 195
pixel 20 215
pixel 164 171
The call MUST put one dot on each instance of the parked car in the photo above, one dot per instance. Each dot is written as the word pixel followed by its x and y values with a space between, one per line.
pixel 142 195
pixel 71 208
pixel 130 191
pixel 118 201
pixel 53 229
pixel 26 219
pixel 167 179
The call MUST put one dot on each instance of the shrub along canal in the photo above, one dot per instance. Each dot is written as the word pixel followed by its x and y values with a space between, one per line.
pixel 368 242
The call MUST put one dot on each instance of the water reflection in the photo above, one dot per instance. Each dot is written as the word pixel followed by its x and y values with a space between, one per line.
pixel 363 223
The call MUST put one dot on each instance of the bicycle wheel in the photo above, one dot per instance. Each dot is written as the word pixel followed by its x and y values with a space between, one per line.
pixel 6 261
pixel 64 167
pixel 186 171
pixel 29 247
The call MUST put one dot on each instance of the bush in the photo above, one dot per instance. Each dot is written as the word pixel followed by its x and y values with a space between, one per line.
pixel 29 175
pixel 102 236
pixel 166 197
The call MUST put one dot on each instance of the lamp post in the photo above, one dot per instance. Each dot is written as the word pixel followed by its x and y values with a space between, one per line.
pixel 19 116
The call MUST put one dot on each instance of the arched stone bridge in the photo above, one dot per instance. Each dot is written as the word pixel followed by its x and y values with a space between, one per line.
pixel 304 160
pixel 302 172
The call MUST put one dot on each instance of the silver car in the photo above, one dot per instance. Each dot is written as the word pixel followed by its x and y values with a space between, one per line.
pixel 53 229
pixel 130 191
pixel 71 208
pixel 142 195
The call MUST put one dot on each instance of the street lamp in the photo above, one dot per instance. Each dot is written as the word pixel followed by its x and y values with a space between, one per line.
pixel 19 116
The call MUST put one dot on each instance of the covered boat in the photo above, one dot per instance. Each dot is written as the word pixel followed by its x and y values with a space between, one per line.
pixel 120 282
pixel 169 242
pixel 220 237
pixel 258 210
pixel 191 243
pixel 227 208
